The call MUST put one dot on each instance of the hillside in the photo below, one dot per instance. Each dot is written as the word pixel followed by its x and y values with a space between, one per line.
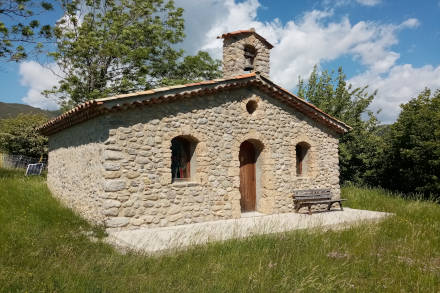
pixel 8 110
pixel 45 247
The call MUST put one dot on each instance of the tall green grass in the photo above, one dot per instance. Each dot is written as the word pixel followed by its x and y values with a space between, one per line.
pixel 44 248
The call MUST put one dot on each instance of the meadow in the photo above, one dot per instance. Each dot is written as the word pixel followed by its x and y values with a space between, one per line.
pixel 45 247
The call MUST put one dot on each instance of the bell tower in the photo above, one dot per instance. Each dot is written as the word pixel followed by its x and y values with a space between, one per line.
pixel 244 52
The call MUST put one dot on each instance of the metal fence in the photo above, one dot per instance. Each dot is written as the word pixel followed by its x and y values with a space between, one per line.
pixel 18 161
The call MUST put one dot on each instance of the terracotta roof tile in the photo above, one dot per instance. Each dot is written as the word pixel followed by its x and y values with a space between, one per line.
pixel 162 89
pixel 307 103
pixel 91 109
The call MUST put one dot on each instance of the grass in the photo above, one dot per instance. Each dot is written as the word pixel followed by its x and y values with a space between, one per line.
pixel 43 248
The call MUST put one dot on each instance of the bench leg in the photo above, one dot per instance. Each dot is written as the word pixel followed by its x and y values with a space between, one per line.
pixel 310 210
pixel 298 206
pixel 329 206
pixel 340 204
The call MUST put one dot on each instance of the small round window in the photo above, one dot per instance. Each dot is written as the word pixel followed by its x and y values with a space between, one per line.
pixel 251 106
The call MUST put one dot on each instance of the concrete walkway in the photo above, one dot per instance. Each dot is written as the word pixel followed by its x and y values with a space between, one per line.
pixel 156 239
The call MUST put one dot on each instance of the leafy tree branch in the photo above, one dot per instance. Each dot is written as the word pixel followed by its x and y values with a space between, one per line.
pixel 112 47
pixel 19 27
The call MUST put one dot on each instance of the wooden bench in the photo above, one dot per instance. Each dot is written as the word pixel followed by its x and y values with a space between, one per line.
pixel 309 197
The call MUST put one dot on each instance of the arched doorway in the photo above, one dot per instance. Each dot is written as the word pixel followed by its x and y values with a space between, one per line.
pixel 248 189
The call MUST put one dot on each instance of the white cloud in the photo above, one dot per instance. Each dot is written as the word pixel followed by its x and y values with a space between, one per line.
pixel 38 78
pixel 410 23
pixel 313 38
pixel 368 2
pixel 311 41
pixel 205 20
pixel 337 3
pixel 398 86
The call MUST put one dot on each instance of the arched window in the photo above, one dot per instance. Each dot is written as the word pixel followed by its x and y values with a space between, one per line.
pixel 249 56
pixel 182 150
pixel 302 158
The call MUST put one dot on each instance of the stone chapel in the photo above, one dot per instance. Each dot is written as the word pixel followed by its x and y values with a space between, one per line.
pixel 197 152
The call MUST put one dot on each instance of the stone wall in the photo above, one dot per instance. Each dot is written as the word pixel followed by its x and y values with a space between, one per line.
pixel 233 55
pixel 136 160
pixel 75 168
pixel 116 168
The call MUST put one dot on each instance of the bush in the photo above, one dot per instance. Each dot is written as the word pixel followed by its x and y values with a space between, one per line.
pixel 18 135
pixel 412 155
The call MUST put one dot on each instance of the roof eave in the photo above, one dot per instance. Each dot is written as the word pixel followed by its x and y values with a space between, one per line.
pixel 346 128
pixel 241 32
pixel 91 109
pixel 95 108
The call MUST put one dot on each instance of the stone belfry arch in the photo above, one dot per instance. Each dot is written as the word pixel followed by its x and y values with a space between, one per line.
pixel 244 52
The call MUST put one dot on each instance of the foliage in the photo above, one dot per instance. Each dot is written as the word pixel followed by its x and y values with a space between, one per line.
pixel 194 68
pixel 361 148
pixel 19 137
pixel 112 47
pixel 45 247
pixel 19 27
pixel 412 157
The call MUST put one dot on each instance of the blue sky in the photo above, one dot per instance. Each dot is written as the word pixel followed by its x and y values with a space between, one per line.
pixel 392 46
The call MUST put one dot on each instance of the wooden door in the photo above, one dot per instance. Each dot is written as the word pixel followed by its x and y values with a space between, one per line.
pixel 247 177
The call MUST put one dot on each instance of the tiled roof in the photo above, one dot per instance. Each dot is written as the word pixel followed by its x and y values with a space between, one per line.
pixel 91 109
pixel 187 85
pixel 250 31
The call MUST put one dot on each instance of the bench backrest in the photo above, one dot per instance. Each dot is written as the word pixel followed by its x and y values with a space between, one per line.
pixel 309 194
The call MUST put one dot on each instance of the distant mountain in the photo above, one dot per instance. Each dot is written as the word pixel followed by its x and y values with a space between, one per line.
pixel 8 110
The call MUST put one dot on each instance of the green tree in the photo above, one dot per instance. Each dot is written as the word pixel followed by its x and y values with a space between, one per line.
pixel 412 161
pixel 18 135
pixel 112 47
pixel 361 148
pixel 194 68
pixel 19 27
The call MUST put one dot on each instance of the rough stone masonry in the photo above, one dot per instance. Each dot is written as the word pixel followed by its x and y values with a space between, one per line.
pixel 111 159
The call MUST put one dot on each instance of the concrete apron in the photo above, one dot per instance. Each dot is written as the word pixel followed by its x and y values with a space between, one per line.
pixel 151 240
